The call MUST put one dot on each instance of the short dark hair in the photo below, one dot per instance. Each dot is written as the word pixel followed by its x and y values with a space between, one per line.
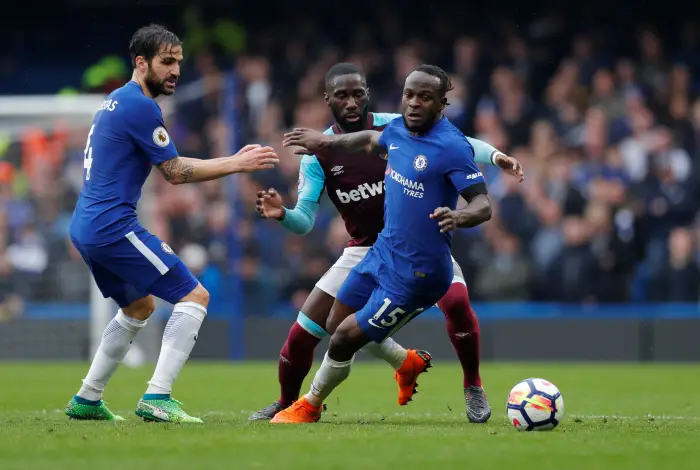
pixel 344 68
pixel 441 75
pixel 147 40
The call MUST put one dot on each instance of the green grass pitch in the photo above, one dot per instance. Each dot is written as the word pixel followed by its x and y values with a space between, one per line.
pixel 618 416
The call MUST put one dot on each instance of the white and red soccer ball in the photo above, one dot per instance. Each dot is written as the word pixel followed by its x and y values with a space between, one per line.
pixel 535 405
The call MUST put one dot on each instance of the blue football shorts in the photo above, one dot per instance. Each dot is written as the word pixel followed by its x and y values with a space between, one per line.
pixel 380 312
pixel 135 266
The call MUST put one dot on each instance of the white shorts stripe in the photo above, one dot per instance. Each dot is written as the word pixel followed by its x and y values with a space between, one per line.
pixel 145 251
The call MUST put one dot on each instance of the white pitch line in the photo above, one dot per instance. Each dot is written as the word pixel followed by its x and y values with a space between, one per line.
pixel 631 418
pixel 424 415
pixel 451 415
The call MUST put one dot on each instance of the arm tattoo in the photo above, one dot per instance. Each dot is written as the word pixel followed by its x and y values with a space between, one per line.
pixel 176 170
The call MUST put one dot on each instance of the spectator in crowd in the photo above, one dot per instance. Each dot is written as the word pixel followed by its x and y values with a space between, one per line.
pixel 679 279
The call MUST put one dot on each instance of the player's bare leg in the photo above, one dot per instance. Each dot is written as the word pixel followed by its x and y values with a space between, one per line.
pixel 179 339
pixel 87 404
pixel 408 364
pixel 297 354
pixel 463 331
pixel 347 339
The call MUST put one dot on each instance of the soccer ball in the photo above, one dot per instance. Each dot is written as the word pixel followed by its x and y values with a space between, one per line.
pixel 535 405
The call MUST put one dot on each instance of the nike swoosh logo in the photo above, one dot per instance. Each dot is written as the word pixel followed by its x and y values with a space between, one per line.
pixel 371 322
pixel 393 147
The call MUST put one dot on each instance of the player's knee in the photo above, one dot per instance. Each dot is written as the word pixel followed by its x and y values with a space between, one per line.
pixel 455 300
pixel 346 341
pixel 339 346
pixel 341 337
pixel 140 309
pixel 199 295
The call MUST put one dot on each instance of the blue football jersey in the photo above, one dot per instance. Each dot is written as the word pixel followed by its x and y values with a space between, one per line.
pixel 126 139
pixel 423 173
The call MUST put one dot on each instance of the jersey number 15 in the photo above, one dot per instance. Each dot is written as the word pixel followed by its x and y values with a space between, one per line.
pixel 87 162
pixel 395 319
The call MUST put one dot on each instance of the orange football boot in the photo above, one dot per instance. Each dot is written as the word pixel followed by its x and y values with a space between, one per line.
pixel 417 361
pixel 301 411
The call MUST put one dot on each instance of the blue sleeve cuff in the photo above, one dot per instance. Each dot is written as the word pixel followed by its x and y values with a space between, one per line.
pixel 300 220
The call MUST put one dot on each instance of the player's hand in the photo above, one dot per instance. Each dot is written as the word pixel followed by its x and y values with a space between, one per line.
pixel 255 157
pixel 447 218
pixel 269 204
pixel 309 141
pixel 510 165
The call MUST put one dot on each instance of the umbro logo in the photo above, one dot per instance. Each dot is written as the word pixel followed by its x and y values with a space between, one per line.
pixel 393 147
pixel 336 170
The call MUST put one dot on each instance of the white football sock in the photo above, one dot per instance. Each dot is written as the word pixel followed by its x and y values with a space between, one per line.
pixel 116 340
pixel 389 351
pixel 178 340
pixel 329 376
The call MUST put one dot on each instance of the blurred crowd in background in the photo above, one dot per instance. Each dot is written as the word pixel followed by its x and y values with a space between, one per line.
pixel 605 119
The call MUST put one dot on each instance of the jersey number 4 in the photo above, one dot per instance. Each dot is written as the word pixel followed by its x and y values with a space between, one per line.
pixel 87 162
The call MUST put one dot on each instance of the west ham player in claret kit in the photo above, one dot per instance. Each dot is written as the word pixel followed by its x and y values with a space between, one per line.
pixel 130 265
pixel 355 186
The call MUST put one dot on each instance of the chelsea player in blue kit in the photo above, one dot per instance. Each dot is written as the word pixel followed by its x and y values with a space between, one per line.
pixel 409 268
pixel 130 265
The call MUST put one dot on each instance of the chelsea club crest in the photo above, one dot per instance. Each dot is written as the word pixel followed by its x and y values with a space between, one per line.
pixel 420 163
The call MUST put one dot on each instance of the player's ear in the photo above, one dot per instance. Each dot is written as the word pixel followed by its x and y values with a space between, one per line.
pixel 141 63
pixel 326 98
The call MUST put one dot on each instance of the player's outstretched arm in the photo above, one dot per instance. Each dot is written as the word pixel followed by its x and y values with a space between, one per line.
pixel 312 142
pixel 181 170
pixel 478 210
pixel 490 155
pixel 299 220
